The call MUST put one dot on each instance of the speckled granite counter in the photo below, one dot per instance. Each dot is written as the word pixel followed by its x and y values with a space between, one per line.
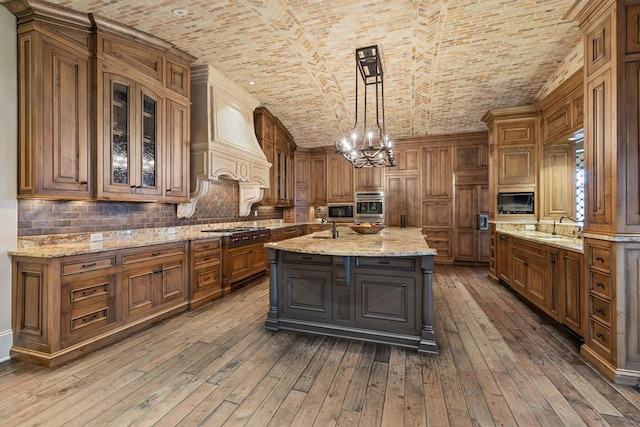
pixel 54 246
pixel 574 244
pixel 389 242
pixel 371 287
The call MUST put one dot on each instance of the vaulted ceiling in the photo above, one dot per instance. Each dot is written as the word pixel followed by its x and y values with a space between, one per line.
pixel 446 62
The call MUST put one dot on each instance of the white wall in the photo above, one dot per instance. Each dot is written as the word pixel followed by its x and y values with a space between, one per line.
pixel 9 168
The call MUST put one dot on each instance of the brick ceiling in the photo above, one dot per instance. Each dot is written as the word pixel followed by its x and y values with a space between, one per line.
pixel 446 62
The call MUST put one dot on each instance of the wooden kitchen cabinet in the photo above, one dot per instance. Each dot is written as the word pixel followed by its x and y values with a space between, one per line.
pixel 81 140
pixel 407 161
pixel 55 124
pixel 205 258
pixel 437 178
pixel 516 166
pixel 243 262
pixel 318 178
pixel 572 298
pixel 402 201
pixel 558 182
pixel 339 179
pixel 534 274
pixel 470 157
pixel 278 147
pixel 471 242
pixel 67 306
pixel 503 258
pixel 369 179
pixel 131 157
pixel 153 279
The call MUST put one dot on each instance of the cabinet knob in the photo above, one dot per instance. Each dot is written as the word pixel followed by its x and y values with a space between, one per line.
pixel 599 258
pixel 600 284
pixel 599 310
pixel 599 335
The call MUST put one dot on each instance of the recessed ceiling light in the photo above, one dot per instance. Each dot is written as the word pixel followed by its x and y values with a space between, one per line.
pixel 252 83
pixel 180 12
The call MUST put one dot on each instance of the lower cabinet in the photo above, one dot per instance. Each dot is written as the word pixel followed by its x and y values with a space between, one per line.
pixel 550 278
pixel 67 306
pixel 243 262
pixel 206 271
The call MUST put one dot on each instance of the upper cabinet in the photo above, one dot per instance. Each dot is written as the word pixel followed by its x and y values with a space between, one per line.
pixel 471 157
pixel 437 178
pixel 55 123
pixel 318 174
pixel 103 109
pixel 368 179
pixel 278 147
pixel 407 161
pixel 339 179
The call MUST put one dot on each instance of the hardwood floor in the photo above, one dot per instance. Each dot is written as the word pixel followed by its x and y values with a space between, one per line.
pixel 499 364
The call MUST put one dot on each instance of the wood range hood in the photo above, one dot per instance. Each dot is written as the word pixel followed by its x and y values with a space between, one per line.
pixel 223 140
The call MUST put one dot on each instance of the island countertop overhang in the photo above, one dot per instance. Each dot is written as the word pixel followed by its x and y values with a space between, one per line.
pixel 390 242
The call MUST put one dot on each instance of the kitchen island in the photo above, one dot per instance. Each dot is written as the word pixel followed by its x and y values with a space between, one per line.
pixel 371 287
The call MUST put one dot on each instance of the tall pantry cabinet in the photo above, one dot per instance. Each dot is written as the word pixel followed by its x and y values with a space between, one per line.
pixel 612 206
pixel 103 111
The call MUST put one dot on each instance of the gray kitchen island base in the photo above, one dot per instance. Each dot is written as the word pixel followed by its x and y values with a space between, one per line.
pixel 379 299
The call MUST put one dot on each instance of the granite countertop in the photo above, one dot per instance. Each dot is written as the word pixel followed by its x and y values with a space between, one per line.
pixel 58 246
pixel 391 241
pixel 574 244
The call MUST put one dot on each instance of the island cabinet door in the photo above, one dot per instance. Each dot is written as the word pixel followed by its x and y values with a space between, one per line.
pixel 387 303
pixel 306 293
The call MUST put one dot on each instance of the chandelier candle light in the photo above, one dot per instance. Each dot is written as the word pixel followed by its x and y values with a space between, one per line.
pixel 370 148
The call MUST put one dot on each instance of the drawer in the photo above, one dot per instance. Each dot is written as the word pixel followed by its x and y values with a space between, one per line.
pixel 277 235
pixel 82 293
pixel 88 319
pixel 600 257
pixel 389 263
pixel 600 309
pixel 600 338
pixel 206 277
pixel 152 253
pixel 600 284
pixel 88 264
pixel 537 250
pixel 437 234
pixel 206 245
pixel 207 257
pixel 299 258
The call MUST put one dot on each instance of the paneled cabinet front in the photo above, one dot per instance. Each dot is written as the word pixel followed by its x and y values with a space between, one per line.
pixel 64 307
pixel 92 108
pixel 54 114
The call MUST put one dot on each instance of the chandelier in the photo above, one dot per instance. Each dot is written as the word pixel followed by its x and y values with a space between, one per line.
pixel 368 146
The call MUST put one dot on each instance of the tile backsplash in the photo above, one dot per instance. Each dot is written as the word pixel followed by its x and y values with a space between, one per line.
pixel 43 217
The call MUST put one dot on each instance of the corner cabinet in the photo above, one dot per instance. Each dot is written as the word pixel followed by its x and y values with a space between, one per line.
pixel 94 121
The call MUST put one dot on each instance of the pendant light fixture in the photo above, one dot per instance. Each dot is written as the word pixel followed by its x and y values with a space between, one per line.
pixel 368 145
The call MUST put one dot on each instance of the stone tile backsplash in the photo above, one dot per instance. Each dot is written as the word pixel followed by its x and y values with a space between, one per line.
pixel 43 217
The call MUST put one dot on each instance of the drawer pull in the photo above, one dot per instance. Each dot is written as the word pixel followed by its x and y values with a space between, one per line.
pixel 205 259
pixel 599 310
pixel 600 284
pixel 155 253
pixel 206 246
pixel 89 318
pixel 599 258
pixel 307 258
pixel 87 293
pixel 600 335
pixel 384 262
pixel 89 265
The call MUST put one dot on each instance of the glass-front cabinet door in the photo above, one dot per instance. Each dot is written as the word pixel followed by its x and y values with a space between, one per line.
pixel 132 128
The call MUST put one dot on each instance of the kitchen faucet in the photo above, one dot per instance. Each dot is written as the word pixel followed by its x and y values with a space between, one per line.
pixel 567 217
pixel 334 231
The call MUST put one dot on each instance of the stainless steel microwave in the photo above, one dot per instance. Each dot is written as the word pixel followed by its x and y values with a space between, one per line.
pixel 516 203
pixel 342 212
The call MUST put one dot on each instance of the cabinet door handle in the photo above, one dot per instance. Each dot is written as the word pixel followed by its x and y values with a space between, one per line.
pixel 600 284
pixel 88 265
pixel 599 258
pixel 599 310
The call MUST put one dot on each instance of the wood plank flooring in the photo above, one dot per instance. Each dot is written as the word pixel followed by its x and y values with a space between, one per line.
pixel 499 364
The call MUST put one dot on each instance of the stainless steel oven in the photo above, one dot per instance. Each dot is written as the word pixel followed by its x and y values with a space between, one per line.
pixel 369 207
